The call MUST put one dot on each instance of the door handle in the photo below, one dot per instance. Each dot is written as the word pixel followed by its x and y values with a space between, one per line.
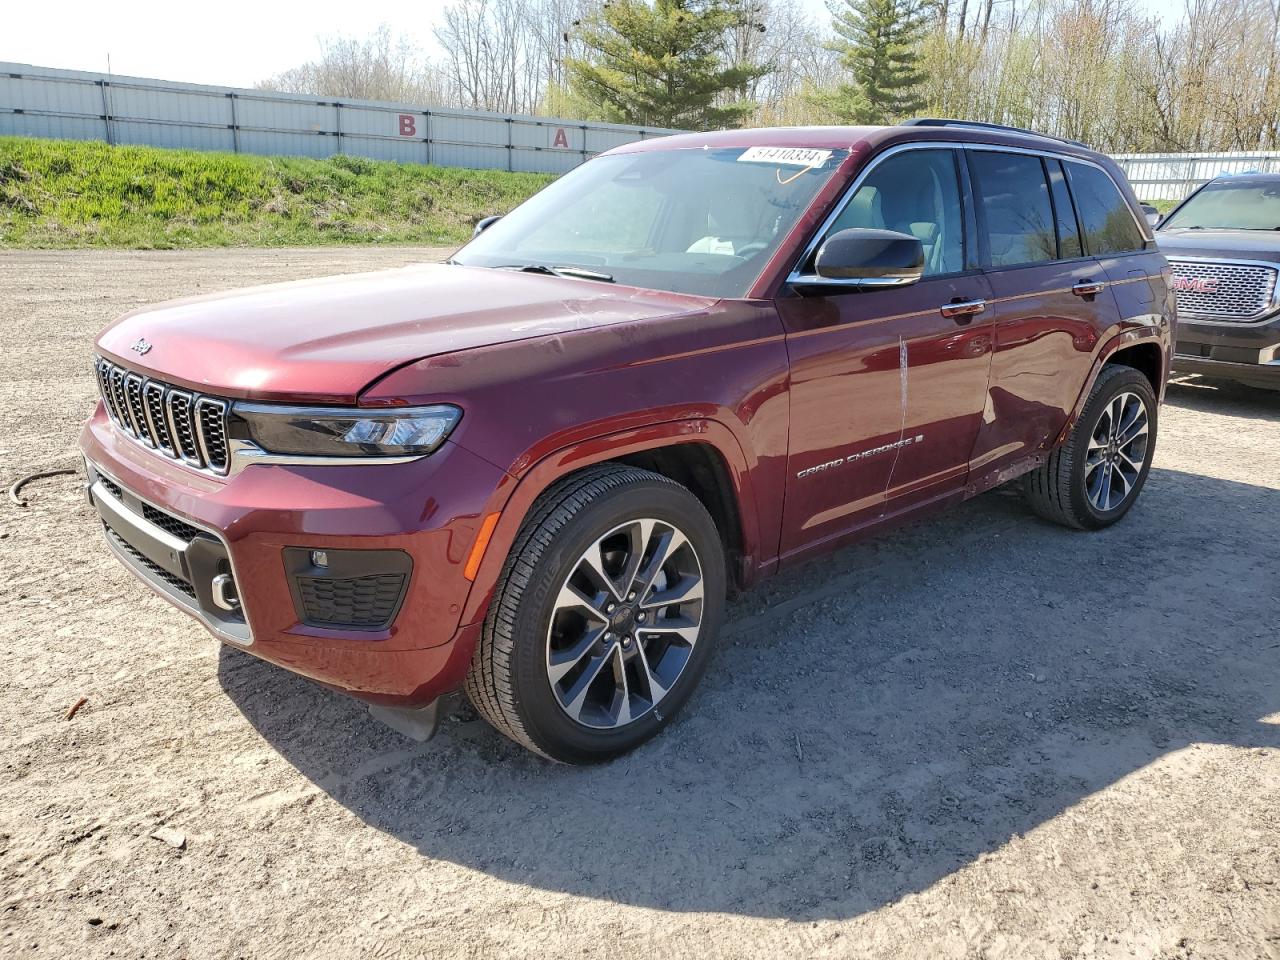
pixel 1088 288
pixel 962 311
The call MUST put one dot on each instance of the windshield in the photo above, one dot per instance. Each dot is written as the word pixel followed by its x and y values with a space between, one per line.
pixel 1243 204
pixel 690 221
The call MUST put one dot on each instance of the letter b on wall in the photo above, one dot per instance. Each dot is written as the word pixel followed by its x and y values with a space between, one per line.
pixel 408 125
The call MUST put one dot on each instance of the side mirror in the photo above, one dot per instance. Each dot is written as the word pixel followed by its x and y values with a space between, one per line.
pixel 1150 214
pixel 870 258
pixel 483 225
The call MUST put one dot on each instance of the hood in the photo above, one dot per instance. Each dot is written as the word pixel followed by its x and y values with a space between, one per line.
pixel 326 340
pixel 1223 244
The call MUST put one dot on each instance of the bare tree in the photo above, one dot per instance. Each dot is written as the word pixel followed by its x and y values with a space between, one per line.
pixel 382 66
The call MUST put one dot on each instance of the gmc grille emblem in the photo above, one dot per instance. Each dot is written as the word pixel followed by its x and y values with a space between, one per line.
pixel 1195 285
pixel 141 346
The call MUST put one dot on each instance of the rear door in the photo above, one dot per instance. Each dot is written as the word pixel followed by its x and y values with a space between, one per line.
pixel 886 391
pixel 1113 237
pixel 1051 305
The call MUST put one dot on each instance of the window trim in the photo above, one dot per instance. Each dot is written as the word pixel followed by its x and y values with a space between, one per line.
pixel 974 239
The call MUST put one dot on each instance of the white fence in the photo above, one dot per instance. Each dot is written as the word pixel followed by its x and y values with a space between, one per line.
pixel 1171 176
pixel 44 102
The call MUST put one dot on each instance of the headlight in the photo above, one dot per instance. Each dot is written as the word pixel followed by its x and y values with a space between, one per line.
pixel 332 432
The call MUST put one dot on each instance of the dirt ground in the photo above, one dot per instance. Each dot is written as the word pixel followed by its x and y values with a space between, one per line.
pixel 983 736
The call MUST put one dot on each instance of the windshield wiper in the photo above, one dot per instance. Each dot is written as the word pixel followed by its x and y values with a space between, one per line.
pixel 580 273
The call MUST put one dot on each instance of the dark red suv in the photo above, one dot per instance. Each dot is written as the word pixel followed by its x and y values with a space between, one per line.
pixel 533 472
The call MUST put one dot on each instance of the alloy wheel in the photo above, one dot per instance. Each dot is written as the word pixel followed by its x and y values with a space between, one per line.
pixel 625 623
pixel 1117 452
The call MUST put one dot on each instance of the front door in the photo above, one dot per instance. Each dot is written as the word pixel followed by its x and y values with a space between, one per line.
pixel 887 392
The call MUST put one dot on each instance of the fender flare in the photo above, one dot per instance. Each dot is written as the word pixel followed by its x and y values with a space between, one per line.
pixel 516 495
pixel 1157 334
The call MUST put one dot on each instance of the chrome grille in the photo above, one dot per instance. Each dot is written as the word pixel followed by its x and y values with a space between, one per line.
pixel 133 396
pixel 153 399
pixel 176 422
pixel 211 429
pixel 1229 292
pixel 184 431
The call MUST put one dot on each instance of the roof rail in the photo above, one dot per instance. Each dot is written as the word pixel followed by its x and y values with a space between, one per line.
pixel 982 125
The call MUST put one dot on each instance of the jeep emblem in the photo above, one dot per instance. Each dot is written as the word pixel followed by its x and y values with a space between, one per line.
pixel 141 346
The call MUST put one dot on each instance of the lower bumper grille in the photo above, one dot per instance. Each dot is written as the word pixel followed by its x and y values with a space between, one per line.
pixel 178 583
pixel 189 566
pixel 364 602
pixel 169 523
pixel 349 589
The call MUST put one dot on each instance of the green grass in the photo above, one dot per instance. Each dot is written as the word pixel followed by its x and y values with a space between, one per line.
pixel 64 193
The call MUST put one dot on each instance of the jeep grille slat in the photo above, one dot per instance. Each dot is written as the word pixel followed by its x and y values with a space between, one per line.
pixel 177 423
pixel 1227 292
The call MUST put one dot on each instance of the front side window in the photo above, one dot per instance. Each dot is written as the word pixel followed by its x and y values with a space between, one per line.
pixel 915 192
pixel 696 221
pixel 1107 221
pixel 1244 204
pixel 1017 215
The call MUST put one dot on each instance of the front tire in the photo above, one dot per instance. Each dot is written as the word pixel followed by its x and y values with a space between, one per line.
pixel 604 617
pixel 1094 478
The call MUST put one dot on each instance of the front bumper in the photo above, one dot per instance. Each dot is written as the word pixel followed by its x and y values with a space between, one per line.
pixel 1247 352
pixel 179 530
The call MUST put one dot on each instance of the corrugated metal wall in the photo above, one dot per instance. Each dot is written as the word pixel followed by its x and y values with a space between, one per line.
pixel 43 102
pixel 1171 176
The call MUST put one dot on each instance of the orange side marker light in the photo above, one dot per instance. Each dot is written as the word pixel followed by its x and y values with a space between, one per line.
pixel 478 548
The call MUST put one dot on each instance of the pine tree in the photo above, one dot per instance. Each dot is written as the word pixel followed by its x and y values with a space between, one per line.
pixel 878 45
pixel 660 64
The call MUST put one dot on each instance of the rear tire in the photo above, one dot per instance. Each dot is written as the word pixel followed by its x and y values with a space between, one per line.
pixel 1094 478
pixel 604 616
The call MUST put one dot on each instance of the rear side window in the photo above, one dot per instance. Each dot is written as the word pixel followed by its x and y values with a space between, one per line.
pixel 1105 217
pixel 1017 215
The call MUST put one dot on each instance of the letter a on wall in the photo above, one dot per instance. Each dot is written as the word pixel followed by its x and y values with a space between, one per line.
pixel 560 139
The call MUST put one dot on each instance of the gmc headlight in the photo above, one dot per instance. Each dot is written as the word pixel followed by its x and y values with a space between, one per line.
pixel 334 432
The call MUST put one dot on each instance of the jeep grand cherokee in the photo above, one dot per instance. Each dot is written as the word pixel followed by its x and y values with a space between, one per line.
pixel 1223 243
pixel 533 472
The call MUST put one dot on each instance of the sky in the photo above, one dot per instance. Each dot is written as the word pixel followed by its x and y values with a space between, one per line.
pixel 231 43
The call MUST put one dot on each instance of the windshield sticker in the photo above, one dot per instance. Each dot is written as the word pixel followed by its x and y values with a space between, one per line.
pixel 791 156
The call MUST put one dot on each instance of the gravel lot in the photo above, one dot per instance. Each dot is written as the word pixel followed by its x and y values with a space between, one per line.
pixel 982 736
